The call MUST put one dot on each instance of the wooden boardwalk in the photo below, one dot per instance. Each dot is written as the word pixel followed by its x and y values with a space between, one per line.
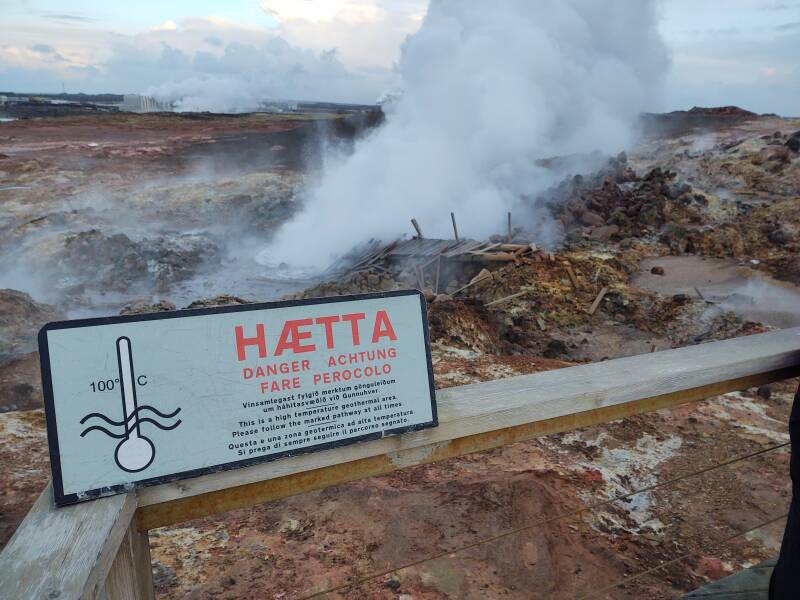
pixel 750 584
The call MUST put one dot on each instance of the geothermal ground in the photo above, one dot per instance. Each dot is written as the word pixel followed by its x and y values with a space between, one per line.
pixel 694 234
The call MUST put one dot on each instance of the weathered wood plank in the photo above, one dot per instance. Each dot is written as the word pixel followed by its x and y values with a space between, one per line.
pixel 65 553
pixel 131 574
pixel 486 415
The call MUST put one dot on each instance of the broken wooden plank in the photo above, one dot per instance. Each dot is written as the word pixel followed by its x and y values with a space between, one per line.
pixel 462 247
pixel 455 229
pixel 416 227
pixel 513 247
pixel 420 277
pixel 511 297
pixel 571 275
pixel 598 300
pixel 482 276
pixel 492 256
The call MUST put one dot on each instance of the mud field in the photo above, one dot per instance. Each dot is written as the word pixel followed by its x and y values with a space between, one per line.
pixel 694 235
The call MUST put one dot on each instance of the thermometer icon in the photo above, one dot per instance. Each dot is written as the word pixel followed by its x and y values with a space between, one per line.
pixel 135 452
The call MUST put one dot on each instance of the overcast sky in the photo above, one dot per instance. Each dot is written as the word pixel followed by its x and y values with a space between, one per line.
pixel 744 52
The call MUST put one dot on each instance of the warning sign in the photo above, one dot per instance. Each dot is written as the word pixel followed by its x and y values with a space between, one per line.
pixel 147 399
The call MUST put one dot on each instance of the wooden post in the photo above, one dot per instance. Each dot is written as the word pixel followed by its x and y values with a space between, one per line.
pixel 598 300
pixel 420 277
pixel 455 229
pixel 131 575
pixel 509 226
pixel 416 226
pixel 77 552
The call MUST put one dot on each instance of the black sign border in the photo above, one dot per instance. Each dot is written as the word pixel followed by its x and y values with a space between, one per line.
pixel 62 499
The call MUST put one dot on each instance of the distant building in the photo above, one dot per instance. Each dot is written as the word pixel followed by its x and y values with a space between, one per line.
pixel 143 104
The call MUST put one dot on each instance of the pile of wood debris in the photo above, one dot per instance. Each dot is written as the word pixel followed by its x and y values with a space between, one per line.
pixel 432 260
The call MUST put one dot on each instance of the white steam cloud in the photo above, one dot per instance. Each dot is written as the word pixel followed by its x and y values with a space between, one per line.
pixel 244 76
pixel 488 88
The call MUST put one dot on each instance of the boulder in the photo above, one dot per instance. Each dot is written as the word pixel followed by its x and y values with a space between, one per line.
pixel 592 219
pixel 604 233
pixel 793 143
pixel 141 307
pixel 21 317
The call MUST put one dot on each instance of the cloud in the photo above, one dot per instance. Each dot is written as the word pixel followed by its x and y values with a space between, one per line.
pixel 67 18
pixel 43 49
pixel 209 63
pixel 365 33
pixel 761 74
pixel 780 6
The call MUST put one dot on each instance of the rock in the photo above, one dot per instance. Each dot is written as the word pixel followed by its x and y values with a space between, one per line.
pixel 681 299
pixel 780 236
pixel 163 576
pixel 773 158
pixel 721 241
pixel 555 349
pixel 657 270
pixel 300 529
pixel 430 296
pixel 675 237
pixel 592 219
pixel 764 391
pixel 224 300
pixel 21 317
pixel 114 262
pixel 393 584
pixel 443 298
pixel 649 214
pixel 577 207
pixel 140 307
pixel 604 233
pixel 793 143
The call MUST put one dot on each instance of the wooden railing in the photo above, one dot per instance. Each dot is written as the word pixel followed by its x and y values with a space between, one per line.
pixel 99 549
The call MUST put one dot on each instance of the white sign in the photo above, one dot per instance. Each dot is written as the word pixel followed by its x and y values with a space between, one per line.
pixel 147 399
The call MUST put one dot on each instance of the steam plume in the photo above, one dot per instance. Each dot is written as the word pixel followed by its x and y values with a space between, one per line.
pixel 488 88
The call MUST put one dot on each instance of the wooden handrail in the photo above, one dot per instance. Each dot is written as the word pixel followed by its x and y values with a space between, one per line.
pixel 101 551
pixel 77 551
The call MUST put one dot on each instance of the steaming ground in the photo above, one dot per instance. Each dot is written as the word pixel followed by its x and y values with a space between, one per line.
pixel 150 239
pixel 127 209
